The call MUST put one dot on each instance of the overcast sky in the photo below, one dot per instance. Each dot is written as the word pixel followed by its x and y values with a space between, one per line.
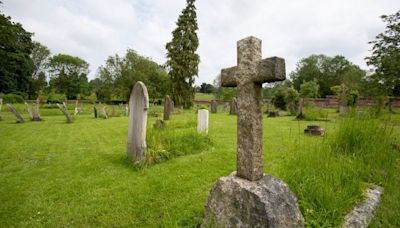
pixel 292 29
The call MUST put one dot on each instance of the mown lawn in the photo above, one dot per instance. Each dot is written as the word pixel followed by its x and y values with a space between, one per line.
pixel 56 174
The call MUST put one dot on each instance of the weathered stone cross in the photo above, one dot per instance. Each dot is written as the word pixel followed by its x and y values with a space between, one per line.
pixel 248 76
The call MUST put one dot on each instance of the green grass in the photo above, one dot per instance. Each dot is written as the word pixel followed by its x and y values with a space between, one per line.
pixel 204 96
pixel 55 174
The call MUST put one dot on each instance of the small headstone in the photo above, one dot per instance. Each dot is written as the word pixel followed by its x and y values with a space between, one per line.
pixel 250 198
pixel 172 106
pixel 234 107
pixel 76 111
pixel 126 110
pixel 28 110
pixel 273 114
pixel 167 107
pixel 225 107
pixel 202 121
pixel 64 110
pixel 343 108
pixel 314 130
pixel 138 105
pixel 36 113
pixel 214 106
pixel 104 112
pixel 1 106
pixel 16 114
pixel 95 111
pixel 159 123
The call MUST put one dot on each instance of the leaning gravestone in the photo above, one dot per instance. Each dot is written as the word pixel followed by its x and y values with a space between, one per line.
pixel 167 107
pixel 202 121
pixel 248 197
pixel 16 114
pixel 64 110
pixel 138 105
pixel 225 107
pixel 234 107
pixel 1 106
pixel 104 112
pixel 214 106
pixel 95 111
pixel 28 109
pixel 36 113
pixel 343 108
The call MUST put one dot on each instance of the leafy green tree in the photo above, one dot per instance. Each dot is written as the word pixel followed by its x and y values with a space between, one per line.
pixel 182 59
pixel 224 93
pixel 327 71
pixel 385 55
pixel 40 57
pixel 16 66
pixel 68 75
pixel 309 89
pixel 292 100
pixel 206 88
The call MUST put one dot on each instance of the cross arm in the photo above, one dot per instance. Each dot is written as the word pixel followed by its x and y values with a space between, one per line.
pixel 228 78
pixel 270 70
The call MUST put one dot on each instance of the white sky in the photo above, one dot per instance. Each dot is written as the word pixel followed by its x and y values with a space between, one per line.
pixel 292 29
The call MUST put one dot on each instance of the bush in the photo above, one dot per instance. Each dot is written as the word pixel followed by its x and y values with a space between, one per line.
pixel 12 98
pixel 279 100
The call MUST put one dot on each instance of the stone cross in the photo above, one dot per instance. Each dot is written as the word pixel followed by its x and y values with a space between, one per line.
pixel 202 121
pixel 248 76
pixel 16 114
pixel 167 107
pixel 138 105
pixel 214 106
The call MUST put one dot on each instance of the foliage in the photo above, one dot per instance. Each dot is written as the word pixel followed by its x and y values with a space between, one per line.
pixel 182 59
pixel 16 66
pixel 56 97
pixel 40 57
pixel 327 72
pixel 68 75
pixel 12 98
pixel 292 100
pixel 309 89
pixel 314 114
pixel 385 55
pixel 118 76
pixel 206 88
pixel 224 93
pixel 352 98
pixel 279 100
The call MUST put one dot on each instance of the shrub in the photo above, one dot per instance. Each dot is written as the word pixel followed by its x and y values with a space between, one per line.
pixel 12 98
pixel 279 100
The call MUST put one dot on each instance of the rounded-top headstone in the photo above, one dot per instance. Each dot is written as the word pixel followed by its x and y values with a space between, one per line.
pixel 167 107
pixel 138 105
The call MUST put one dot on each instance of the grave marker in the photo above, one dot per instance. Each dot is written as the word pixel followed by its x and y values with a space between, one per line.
pixel 202 121
pixel 343 108
pixel 167 107
pixel 233 107
pixel 16 114
pixel 138 105
pixel 214 106
pixel 1 106
pixel 64 110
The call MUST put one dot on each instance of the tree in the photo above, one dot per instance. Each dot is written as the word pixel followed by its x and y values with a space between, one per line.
pixel 385 55
pixel 224 93
pixel 16 66
pixel 68 75
pixel 292 100
pixel 327 71
pixel 182 59
pixel 40 57
pixel 309 89
pixel 206 88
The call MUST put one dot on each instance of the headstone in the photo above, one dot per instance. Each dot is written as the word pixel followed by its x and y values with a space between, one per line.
pixel 16 114
pixel 95 111
pixel 28 110
pixel 300 114
pixel 159 123
pixel 273 113
pixel 64 110
pixel 214 106
pixel 76 110
pixel 104 112
pixel 167 107
pixel 234 107
pixel 113 112
pixel 36 113
pixel 1 106
pixel 343 108
pixel 314 130
pixel 225 107
pixel 138 105
pixel 202 121
pixel 250 198
pixel 126 110
pixel 172 106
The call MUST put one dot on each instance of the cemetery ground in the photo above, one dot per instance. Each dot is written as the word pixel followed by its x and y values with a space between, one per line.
pixel 56 174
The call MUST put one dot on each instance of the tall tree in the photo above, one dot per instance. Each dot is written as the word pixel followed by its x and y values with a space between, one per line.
pixel 68 75
pixel 182 59
pixel 386 55
pixel 40 57
pixel 16 66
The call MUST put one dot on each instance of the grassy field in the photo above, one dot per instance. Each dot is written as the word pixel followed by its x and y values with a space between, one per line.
pixel 204 96
pixel 55 174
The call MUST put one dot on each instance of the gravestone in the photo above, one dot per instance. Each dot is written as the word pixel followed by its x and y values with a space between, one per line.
pixel 1 106
pixel 104 112
pixel 16 114
pixel 126 110
pixel 113 112
pixel 234 107
pixel 314 130
pixel 343 108
pixel 167 107
pixel 95 111
pixel 159 123
pixel 273 113
pixel 202 121
pixel 301 115
pixel 138 105
pixel 28 110
pixel 76 110
pixel 214 106
pixel 248 197
pixel 36 113
pixel 64 110
pixel 225 107
pixel 172 106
